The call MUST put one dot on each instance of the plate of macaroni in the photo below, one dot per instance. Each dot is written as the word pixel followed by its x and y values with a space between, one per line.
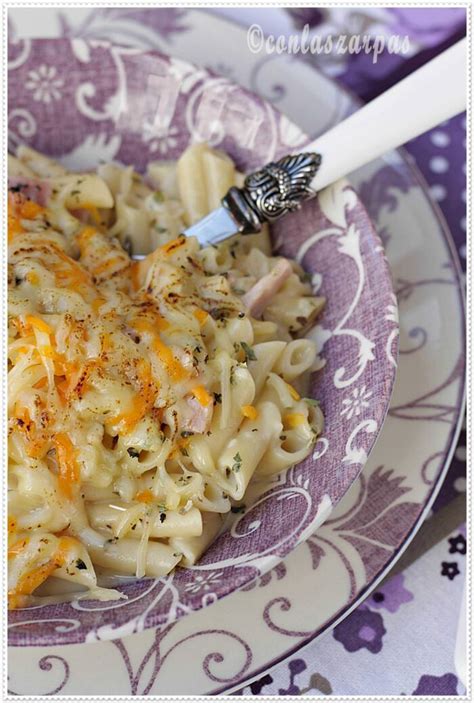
pixel 176 413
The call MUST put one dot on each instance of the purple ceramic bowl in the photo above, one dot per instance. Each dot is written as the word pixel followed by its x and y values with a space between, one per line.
pixel 86 102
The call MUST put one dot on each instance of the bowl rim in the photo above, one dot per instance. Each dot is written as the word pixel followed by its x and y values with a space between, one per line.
pixel 18 638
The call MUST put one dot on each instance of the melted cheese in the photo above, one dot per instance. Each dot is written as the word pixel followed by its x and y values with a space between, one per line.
pixel 127 380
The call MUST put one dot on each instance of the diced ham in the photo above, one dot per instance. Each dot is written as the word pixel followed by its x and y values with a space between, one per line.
pixel 34 189
pixel 81 214
pixel 196 417
pixel 184 357
pixel 258 297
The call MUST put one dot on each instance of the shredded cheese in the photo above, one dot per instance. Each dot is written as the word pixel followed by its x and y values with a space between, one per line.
pixel 69 474
pixel 293 392
pixel 249 411
pixel 125 379
pixel 201 316
pixel 38 324
pixel 202 396
pixel 145 496
pixel 171 247
pixel 29 582
pixel 293 420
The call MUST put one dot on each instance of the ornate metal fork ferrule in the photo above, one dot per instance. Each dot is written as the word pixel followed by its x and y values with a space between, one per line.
pixel 273 191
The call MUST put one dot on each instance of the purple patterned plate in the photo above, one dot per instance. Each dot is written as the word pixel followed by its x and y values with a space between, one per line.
pixel 84 102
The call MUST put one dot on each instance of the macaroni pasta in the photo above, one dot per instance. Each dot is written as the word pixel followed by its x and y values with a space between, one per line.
pixel 144 396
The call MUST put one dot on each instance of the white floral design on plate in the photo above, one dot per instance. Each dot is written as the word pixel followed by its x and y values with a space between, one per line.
pixel 356 402
pixel 165 141
pixel 204 582
pixel 392 313
pixel 45 83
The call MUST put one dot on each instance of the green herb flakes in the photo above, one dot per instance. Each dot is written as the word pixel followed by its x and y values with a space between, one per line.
pixel 248 351
pixel 236 466
pixel 312 401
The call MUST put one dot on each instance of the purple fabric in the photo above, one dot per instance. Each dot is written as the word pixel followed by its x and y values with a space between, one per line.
pixel 362 629
pixel 391 595
pixel 437 686
pixel 381 648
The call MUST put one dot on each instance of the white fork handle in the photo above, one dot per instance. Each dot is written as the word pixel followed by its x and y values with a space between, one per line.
pixel 430 95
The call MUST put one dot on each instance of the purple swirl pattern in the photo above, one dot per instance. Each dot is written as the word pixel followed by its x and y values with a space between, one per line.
pixel 142 681
pixel 48 663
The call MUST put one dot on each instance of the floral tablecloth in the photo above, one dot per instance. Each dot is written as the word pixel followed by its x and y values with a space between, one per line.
pixel 401 640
